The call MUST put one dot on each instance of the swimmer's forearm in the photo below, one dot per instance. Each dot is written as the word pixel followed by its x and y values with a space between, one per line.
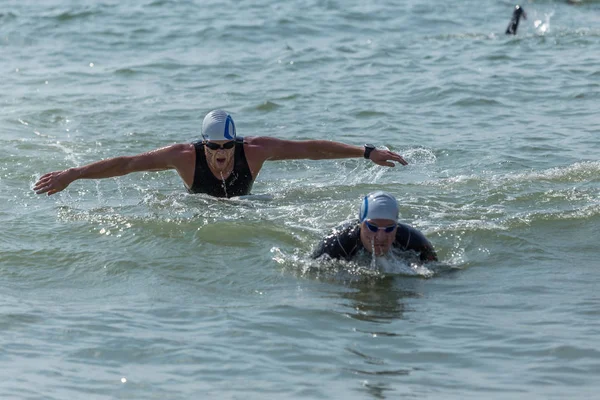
pixel 54 182
pixel 277 149
pixel 108 168
pixel 157 160
pixel 325 149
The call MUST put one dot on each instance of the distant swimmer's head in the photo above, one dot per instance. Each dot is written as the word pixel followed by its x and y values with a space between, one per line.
pixel 218 125
pixel 378 217
pixel 519 12
pixel 513 25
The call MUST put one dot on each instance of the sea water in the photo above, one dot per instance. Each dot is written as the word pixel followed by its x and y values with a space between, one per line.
pixel 132 288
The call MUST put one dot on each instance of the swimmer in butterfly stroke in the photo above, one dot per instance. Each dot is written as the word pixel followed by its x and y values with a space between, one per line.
pixel 222 164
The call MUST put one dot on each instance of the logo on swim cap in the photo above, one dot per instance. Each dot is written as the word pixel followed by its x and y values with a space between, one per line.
pixel 378 205
pixel 218 125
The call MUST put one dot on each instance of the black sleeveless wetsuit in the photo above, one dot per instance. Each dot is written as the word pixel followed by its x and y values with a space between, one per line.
pixel 344 242
pixel 238 183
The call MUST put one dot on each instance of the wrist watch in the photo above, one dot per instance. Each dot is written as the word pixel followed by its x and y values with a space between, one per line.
pixel 368 149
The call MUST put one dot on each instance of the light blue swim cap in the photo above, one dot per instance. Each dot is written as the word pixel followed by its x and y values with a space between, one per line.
pixel 218 125
pixel 379 205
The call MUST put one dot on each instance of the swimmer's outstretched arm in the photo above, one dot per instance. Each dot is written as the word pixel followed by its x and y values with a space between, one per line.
pixel 170 157
pixel 278 149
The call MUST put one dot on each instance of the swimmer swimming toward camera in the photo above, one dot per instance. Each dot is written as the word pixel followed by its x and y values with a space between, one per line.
pixel 377 231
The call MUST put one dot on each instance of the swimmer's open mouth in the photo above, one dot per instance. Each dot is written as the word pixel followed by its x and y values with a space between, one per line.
pixel 221 159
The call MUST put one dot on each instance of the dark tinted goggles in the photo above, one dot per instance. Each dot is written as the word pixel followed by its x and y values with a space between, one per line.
pixel 224 146
pixel 375 228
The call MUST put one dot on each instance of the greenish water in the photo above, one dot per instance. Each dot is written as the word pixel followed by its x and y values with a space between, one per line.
pixel 132 288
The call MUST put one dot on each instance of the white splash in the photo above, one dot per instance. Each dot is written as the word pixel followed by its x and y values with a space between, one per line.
pixel 542 27
pixel 397 262
pixel 373 256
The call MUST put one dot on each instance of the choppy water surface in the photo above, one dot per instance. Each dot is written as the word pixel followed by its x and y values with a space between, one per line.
pixel 132 288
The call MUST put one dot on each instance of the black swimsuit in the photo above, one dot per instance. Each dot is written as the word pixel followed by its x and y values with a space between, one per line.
pixel 344 242
pixel 238 183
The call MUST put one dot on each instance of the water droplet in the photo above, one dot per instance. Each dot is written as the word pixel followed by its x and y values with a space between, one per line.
pixel 224 184
pixel 373 256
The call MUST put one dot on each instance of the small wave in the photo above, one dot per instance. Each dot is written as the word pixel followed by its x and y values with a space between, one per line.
pixel 369 114
pixel 7 15
pixel 541 30
pixel 255 197
pixel 126 71
pixel 48 118
pixel 393 265
pixel 503 57
pixel 493 221
pixel 268 106
pixel 461 36
pixel 166 65
pixel 397 372
pixel 73 15
pixel 578 172
pixel 160 3
pixel 396 263
pixel 335 270
pixel 346 49
pixel 293 96
pixel 473 101
pixel 142 31
pixel 529 218
pixel 441 21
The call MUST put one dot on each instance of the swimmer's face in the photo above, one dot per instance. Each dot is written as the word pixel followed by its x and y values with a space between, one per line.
pixel 219 153
pixel 378 235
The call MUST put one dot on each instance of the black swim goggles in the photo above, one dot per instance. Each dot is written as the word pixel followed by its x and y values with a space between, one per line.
pixel 375 228
pixel 224 146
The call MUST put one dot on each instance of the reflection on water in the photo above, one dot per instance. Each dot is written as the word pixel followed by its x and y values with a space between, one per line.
pixel 380 300
pixel 378 303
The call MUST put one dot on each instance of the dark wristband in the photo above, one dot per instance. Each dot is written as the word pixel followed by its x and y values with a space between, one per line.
pixel 368 149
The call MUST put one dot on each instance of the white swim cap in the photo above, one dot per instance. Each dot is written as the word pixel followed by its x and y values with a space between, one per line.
pixel 379 205
pixel 218 125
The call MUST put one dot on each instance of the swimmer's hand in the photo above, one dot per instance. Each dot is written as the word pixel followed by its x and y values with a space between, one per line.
pixel 385 158
pixel 54 182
